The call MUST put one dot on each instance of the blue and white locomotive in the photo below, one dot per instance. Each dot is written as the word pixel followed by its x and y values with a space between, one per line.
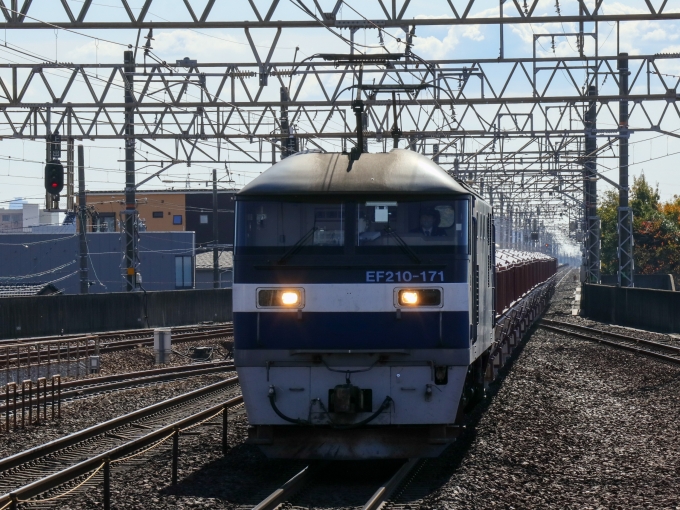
pixel 363 305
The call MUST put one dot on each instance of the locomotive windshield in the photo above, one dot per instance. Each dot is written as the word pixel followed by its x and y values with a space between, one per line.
pixel 427 223
pixel 288 227
pixel 273 226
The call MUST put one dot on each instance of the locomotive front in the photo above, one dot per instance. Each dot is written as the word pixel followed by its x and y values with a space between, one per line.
pixel 351 305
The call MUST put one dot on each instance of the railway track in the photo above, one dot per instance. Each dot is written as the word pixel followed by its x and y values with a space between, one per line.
pixel 50 465
pixel 130 334
pixel 328 481
pixel 82 388
pixel 34 350
pixel 655 349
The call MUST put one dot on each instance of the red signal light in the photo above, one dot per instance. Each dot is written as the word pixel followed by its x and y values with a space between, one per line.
pixel 54 184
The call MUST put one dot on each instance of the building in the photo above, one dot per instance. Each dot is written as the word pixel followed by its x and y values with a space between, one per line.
pixel 27 218
pixel 166 261
pixel 204 269
pixel 167 211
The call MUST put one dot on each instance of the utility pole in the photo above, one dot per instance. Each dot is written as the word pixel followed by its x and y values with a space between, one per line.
pixel 52 154
pixel 130 198
pixel 70 191
pixel 82 212
pixel 625 217
pixel 592 237
pixel 216 255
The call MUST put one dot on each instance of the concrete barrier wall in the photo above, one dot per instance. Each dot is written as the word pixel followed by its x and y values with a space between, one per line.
pixel 654 310
pixel 51 315
pixel 644 281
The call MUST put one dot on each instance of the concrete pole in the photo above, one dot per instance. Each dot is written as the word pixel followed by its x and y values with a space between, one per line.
pixel 216 255
pixel 82 212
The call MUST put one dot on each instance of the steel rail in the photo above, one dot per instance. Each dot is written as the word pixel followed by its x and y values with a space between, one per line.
pixel 112 334
pixel 43 450
pixel 55 480
pixel 107 346
pixel 613 334
pixel 84 387
pixel 285 491
pixel 612 343
pixel 292 486
pixel 386 490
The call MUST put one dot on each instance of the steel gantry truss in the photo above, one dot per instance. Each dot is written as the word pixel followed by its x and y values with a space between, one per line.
pixel 532 133
pixel 277 13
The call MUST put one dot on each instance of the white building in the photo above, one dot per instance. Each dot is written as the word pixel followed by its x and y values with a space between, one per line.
pixel 29 218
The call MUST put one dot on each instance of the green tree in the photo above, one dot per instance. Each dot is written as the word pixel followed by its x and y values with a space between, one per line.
pixel 656 230
pixel 609 237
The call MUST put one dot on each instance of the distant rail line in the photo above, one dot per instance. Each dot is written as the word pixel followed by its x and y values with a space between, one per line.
pixel 658 350
pixel 77 389
pixel 45 349
pixel 111 337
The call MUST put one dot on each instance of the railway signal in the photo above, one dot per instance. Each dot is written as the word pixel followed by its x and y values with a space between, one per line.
pixel 54 177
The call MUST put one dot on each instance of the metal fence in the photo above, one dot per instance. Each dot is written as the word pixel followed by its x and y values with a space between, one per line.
pixel 34 316
pixel 650 309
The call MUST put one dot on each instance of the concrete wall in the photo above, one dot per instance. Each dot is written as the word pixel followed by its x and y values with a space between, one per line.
pixel 50 315
pixel 34 258
pixel 645 281
pixel 650 309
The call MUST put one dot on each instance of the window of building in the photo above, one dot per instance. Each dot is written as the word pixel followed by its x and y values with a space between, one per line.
pixel 177 219
pixel 105 222
pixel 184 273
pixel 204 219
pixel 158 214
pixel 5 217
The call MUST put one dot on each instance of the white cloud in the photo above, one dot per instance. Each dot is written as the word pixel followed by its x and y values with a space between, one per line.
pixel 434 48
pixel 473 32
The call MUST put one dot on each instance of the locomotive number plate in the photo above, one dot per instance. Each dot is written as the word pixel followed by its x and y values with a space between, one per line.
pixel 404 276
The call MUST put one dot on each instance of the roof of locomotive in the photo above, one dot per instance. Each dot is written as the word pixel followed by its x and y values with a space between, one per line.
pixel 399 171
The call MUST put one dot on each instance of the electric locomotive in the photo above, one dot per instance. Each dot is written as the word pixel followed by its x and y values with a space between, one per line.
pixel 363 305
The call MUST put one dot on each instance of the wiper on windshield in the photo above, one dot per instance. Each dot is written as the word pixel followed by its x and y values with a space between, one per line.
pixel 402 244
pixel 296 247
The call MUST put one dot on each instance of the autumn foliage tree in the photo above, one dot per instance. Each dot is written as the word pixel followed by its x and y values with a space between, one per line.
pixel 656 231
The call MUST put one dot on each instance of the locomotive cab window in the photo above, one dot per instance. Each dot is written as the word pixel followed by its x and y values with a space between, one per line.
pixel 280 226
pixel 432 223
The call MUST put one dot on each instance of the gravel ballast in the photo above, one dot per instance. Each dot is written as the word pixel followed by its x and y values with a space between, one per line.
pixel 80 414
pixel 572 424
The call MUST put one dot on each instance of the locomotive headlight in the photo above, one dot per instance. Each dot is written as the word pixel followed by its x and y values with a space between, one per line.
pixel 290 297
pixel 419 297
pixel 408 297
pixel 280 298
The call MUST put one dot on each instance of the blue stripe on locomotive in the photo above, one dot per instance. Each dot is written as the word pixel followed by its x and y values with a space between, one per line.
pixel 352 330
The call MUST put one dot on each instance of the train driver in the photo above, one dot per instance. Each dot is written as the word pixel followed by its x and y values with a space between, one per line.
pixel 429 224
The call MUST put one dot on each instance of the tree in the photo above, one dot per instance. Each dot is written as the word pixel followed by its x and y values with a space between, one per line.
pixel 656 231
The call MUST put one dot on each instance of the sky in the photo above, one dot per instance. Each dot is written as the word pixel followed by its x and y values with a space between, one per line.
pixel 22 161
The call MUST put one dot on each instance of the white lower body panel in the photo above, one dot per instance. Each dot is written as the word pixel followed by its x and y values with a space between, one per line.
pixel 300 391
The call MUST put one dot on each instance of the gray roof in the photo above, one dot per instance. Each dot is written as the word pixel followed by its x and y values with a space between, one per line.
pixel 205 260
pixel 28 289
pixel 398 171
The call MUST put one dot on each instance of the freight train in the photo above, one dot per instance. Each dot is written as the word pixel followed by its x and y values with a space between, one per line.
pixel 371 308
